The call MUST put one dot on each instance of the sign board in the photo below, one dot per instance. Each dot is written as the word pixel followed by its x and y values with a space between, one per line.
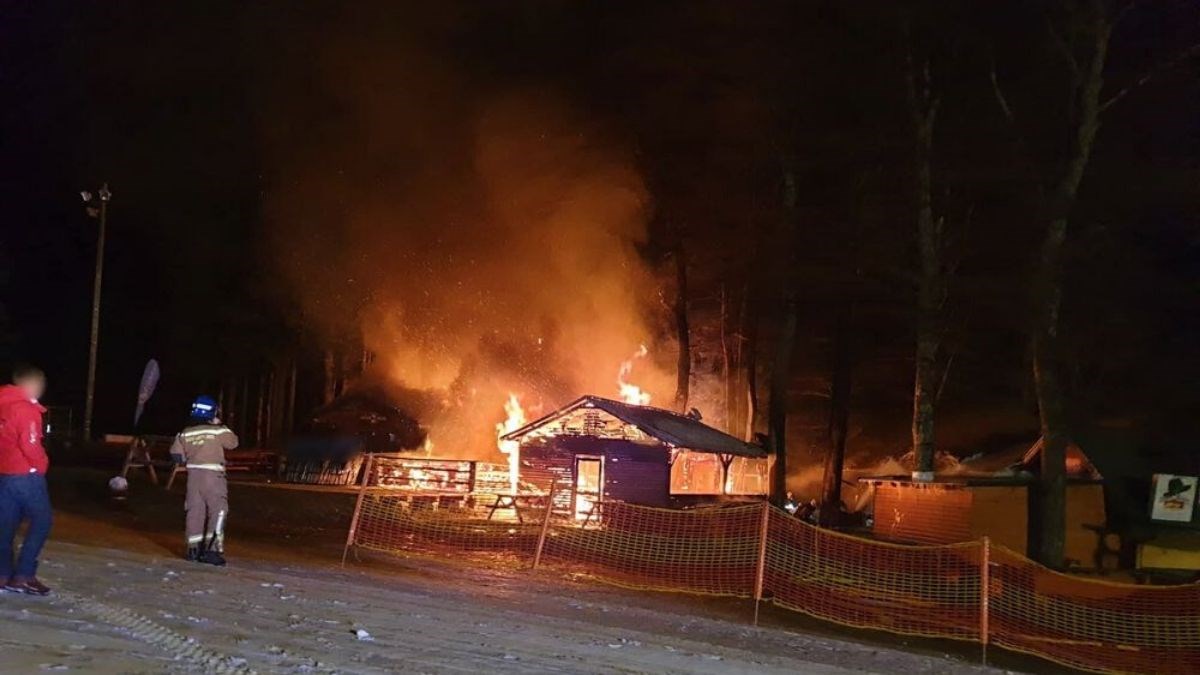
pixel 1173 498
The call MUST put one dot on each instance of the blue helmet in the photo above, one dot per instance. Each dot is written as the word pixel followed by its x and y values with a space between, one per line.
pixel 204 408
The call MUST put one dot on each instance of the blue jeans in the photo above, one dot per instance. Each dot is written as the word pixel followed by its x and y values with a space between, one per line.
pixel 23 497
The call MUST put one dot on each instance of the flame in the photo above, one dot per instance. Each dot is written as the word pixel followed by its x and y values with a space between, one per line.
pixel 428 447
pixel 514 421
pixel 631 393
pixel 583 507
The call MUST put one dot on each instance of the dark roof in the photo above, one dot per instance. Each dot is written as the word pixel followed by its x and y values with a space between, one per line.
pixel 666 426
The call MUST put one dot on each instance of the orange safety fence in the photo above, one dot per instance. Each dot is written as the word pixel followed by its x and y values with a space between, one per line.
pixel 970 591
pixel 391 522
pixel 931 591
pixel 1093 624
pixel 712 551
pixel 430 521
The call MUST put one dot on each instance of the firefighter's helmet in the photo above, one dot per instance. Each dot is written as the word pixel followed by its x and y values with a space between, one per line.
pixel 204 408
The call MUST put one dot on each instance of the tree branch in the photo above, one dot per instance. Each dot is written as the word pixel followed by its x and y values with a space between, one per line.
pixel 1150 75
pixel 1001 99
pixel 945 378
pixel 1009 115
pixel 1062 47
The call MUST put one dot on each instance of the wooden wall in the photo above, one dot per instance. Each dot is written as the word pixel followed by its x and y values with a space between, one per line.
pixel 941 513
pixel 633 472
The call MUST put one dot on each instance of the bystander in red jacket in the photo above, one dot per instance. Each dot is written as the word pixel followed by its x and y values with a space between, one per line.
pixel 21 448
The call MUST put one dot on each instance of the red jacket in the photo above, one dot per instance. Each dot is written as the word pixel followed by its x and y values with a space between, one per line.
pixel 21 448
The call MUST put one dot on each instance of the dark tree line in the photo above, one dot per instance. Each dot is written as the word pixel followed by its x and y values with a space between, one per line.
pixel 963 129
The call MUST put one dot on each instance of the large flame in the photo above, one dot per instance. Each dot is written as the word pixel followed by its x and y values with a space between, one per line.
pixel 511 449
pixel 631 393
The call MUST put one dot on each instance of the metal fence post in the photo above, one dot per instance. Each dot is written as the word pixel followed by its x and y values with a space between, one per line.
pixel 541 543
pixel 985 583
pixel 362 493
pixel 762 557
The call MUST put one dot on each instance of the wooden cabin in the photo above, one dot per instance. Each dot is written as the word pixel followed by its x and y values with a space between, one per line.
pixel 596 449
pixel 991 496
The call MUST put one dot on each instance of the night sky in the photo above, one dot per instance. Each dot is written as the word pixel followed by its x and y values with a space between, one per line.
pixel 224 129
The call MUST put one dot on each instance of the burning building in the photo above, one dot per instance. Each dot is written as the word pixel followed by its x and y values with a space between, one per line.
pixel 596 449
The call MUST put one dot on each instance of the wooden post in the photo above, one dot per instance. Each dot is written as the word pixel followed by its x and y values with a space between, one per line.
pixel 985 577
pixel 760 573
pixel 362 493
pixel 541 544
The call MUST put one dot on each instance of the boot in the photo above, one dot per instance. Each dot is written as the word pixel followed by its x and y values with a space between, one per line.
pixel 27 585
pixel 213 557
pixel 193 554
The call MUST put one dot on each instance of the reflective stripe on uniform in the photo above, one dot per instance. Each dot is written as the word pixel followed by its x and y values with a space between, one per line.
pixel 195 539
pixel 205 432
pixel 217 541
pixel 208 467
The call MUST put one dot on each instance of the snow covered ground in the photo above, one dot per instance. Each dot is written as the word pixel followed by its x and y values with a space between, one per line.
pixel 130 611
pixel 126 603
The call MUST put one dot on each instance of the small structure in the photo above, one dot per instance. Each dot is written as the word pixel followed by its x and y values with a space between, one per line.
pixel 596 449
pixel 991 495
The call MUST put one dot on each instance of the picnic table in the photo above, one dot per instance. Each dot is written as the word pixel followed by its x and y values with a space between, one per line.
pixel 152 454
pixel 517 503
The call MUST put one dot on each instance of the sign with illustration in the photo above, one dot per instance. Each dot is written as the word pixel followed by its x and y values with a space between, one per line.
pixel 1174 498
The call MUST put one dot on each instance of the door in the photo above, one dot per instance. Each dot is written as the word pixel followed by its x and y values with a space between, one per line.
pixel 589 484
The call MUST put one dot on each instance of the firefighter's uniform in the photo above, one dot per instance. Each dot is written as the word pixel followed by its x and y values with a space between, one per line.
pixel 202 448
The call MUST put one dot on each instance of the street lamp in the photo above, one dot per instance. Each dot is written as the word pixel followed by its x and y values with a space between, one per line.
pixel 97 207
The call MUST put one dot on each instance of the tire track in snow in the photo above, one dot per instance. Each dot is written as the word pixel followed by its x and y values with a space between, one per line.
pixel 142 628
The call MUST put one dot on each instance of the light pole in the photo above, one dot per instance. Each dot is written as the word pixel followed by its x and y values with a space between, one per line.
pixel 97 207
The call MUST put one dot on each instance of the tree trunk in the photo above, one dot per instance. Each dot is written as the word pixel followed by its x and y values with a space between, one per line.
pixel 923 107
pixel 330 391
pixel 750 363
pixel 1096 26
pixel 726 364
pixel 272 406
pixel 839 420
pixel 289 420
pixel 781 379
pixel 683 370
pixel 243 401
pixel 258 414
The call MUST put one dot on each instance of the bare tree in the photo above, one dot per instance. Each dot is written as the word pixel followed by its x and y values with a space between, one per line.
pixel 785 340
pixel 839 415
pixel 683 370
pixel 329 389
pixel 931 279
pixel 1080 35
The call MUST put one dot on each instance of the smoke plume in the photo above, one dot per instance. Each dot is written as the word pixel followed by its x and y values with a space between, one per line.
pixel 477 239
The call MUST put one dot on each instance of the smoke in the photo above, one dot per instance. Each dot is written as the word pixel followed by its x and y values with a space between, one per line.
pixel 477 239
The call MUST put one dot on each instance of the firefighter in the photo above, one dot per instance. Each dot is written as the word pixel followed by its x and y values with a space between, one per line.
pixel 201 447
pixel 790 504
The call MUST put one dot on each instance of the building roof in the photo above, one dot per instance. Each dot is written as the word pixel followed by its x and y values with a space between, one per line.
pixel 1016 463
pixel 661 425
